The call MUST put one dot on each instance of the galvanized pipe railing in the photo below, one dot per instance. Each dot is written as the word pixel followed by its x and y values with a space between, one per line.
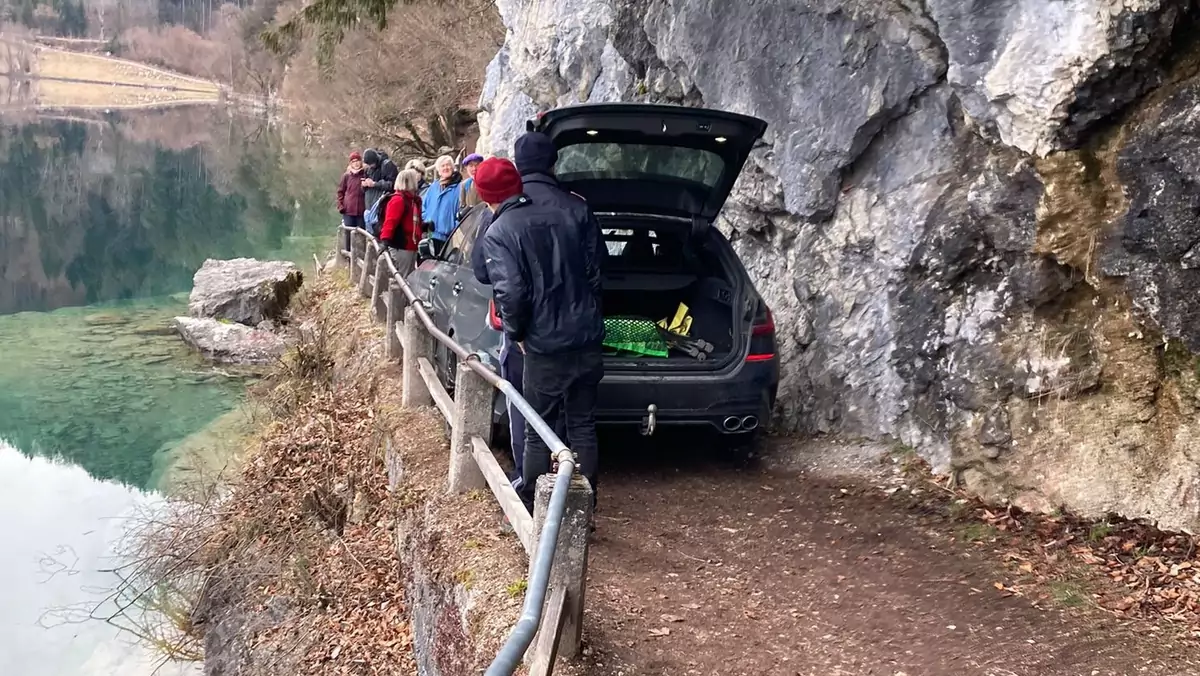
pixel 514 648
pixel 522 635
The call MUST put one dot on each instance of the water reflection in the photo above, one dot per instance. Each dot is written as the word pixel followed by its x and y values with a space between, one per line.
pixel 52 562
pixel 128 205
pixel 103 221
pixel 102 218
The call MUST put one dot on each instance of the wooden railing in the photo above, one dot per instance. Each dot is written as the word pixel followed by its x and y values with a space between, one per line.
pixel 555 536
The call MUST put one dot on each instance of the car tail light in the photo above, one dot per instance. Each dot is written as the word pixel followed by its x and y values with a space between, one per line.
pixel 493 318
pixel 762 335
pixel 764 326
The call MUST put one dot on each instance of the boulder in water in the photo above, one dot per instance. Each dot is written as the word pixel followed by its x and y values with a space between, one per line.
pixel 243 290
pixel 226 342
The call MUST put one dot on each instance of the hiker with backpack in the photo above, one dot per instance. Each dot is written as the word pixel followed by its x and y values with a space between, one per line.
pixel 351 201
pixel 402 221
pixel 380 180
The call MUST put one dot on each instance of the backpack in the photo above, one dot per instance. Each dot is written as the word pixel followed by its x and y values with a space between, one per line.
pixel 374 216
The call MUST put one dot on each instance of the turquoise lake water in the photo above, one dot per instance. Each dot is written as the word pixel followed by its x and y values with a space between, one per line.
pixel 103 221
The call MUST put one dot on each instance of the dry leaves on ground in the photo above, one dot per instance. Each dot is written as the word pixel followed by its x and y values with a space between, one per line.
pixel 1126 568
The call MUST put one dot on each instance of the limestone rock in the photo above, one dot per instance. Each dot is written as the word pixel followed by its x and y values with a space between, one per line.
pixel 243 290
pixel 971 219
pixel 226 342
pixel 1039 73
pixel 1155 248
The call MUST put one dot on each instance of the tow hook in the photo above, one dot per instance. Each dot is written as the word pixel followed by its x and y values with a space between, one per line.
pixel 650 421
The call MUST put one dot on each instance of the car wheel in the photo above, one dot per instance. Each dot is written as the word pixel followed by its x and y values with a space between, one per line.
pixel 449 369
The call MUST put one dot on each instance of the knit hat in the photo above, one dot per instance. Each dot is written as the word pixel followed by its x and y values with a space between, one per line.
pixel 496 180
pixel 473 157
pixel 371 156
pixel 355 156
pixel 535 153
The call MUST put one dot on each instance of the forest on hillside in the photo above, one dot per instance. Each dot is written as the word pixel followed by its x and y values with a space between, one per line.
pixel 402 74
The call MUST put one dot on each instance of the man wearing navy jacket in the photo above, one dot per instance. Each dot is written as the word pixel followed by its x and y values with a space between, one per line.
pixel 543 262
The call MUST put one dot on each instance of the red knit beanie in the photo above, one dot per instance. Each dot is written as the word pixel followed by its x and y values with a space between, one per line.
pixel 355 156
pixel 496 180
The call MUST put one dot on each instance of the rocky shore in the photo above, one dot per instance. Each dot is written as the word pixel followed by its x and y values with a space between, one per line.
pixel 235 308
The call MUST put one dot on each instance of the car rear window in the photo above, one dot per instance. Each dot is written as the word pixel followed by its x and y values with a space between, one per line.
pixel 584 161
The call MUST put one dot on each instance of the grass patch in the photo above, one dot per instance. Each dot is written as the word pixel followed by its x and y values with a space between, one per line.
pixel 1099 531
pixel 517 588
pixel 978 532
pixel 1067 593
pixel 960 510
pixel 58 63
pixel 465 577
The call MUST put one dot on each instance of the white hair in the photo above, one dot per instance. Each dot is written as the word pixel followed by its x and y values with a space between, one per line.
pixel 444 159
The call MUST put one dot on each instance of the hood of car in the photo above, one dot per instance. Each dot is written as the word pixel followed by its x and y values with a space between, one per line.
pixel 650 159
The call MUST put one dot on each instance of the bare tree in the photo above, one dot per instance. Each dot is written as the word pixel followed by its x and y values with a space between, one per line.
pixel 413 85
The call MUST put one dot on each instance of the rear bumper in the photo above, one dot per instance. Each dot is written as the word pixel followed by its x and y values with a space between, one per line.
pixel 685 404
pixel 685 400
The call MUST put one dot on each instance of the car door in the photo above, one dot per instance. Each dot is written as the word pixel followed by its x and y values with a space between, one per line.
pixel 456 301
pixel 469 321
pixel 432 283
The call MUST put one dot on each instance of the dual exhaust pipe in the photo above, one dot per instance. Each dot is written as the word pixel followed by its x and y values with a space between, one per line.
pixel 745 424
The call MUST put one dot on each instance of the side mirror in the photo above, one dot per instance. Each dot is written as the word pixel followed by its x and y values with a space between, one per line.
pixel 427 249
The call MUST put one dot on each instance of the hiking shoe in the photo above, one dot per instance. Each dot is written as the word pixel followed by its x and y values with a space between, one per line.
pixel 506 525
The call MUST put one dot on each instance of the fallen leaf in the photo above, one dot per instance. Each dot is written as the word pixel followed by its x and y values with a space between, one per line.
pixel 671 618
pixel 660 632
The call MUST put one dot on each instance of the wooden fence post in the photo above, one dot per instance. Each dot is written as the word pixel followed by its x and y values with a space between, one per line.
pixel 395 310
pixel 370 256
pixel 343 246
pixel 354 248
pixel 472 418
pixel 569 573
pixel 417 344
pixel 383 280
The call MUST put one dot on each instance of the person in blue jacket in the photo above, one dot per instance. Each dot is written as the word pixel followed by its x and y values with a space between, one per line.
pixel 439 203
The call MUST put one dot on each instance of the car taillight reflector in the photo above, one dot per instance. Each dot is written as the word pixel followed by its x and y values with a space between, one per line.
pixel 493 318
pixel 766 327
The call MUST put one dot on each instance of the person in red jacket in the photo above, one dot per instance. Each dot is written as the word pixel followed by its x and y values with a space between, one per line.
pixel 351 203
pixel 402 221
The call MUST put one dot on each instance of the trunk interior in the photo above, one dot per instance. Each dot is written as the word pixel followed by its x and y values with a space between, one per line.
pixel 648 274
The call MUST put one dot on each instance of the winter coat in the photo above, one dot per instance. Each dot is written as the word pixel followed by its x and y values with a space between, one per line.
pixel 545 190
pixel 544 265
pixel 478 260
pixel 402 221
pixel 350 198
pixel 467 197
pixel 384 175
pixel 441 206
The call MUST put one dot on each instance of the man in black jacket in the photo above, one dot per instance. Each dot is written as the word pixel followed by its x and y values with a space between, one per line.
pixel 381 176
pixel 544 266
pixel 535 155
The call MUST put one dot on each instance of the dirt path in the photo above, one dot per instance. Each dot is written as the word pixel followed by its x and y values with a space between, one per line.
pixel 701 568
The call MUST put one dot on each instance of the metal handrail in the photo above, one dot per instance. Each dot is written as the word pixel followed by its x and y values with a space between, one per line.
pixel 522 634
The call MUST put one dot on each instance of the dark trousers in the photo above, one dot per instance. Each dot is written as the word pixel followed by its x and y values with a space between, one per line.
pixel 350 222
pixel 562 387
pixel 512 369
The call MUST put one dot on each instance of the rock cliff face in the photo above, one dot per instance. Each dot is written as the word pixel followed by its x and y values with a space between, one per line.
pixel 987 211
